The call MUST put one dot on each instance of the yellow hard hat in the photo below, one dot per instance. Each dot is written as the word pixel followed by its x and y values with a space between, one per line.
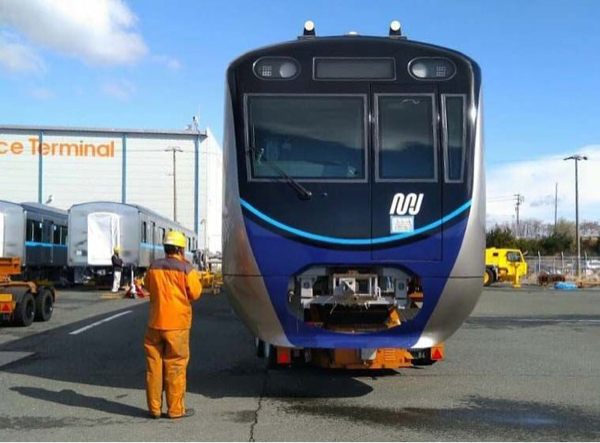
pixel 116 249
pixel 175 238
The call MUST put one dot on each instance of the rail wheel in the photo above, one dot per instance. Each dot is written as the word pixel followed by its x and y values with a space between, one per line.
pixel 25 310
pixel 44 305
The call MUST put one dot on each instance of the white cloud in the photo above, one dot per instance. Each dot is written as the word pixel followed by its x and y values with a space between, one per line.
pixel 97 32
pixel 41 93
pixel 17 57
pixel 170 62
pixel 121 89
pixel 536 180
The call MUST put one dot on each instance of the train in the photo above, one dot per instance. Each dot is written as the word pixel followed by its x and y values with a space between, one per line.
pixel 96 228
pixel 354 197
pixel 37 235
pixel 33 246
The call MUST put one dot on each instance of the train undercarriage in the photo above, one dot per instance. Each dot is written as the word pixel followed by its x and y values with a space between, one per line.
pixel 353 300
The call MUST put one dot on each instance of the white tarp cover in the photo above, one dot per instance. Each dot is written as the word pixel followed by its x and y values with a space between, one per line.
pixel 103 236
pixel 1 235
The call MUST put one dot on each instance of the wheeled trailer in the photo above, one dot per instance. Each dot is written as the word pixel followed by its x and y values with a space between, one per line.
pixel 22 302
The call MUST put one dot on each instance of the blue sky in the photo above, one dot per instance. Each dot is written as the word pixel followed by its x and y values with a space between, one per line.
pixel 158 63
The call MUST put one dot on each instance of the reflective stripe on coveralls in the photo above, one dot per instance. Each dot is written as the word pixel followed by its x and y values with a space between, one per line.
pixel 173 284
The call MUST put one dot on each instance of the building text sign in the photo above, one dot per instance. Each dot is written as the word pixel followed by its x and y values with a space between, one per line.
pixel 57 149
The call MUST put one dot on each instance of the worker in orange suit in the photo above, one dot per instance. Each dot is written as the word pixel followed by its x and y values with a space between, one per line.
pixel 173 284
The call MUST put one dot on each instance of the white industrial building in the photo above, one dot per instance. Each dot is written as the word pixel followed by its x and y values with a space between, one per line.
pixel 63 166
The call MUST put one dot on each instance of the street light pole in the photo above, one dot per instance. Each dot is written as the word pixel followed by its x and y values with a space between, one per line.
pixel 577 158
pixel 174 150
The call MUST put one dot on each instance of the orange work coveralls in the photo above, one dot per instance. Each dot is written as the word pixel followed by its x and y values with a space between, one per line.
pixel 173 284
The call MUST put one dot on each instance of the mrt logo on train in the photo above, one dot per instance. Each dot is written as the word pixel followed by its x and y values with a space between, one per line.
pixel 409 204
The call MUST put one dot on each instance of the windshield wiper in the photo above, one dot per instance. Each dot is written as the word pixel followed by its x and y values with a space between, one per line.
pixel 304 193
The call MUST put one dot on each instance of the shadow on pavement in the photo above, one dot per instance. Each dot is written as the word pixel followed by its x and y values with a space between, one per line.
pixel 68 397
pixel 222 362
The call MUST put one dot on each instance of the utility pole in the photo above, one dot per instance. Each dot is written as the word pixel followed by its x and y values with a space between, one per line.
pixel 519 199
pixel 555 204
pixel 577 158
pixel 174 150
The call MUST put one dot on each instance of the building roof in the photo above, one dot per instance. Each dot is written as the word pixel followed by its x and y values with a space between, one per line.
pixel 61 129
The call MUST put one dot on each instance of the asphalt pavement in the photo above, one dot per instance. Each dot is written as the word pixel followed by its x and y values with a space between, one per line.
pixel 523 367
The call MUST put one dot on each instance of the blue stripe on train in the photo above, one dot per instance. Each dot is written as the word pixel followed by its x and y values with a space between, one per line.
pixel 43 245
pixel 279 258
pixel 149 246
pixel 355 241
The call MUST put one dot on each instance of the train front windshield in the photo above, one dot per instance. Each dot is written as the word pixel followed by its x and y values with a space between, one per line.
pixel 320 137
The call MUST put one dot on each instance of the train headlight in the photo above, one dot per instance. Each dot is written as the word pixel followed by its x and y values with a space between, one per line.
pixel 432 68
pixel 309 28
pixel 276 68
pixel 395 29
pixel 287 70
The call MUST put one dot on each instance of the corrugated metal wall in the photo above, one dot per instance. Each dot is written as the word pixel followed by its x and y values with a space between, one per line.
pixel 136 167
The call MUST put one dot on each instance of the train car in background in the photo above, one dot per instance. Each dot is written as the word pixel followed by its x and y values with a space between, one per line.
pixel 33 250
pixel 37 235
pixel 354 201
pixel 96 228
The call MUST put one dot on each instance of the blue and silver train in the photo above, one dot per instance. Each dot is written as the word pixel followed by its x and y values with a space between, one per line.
pixel 37 235
pixel 96 228
pixel 354 202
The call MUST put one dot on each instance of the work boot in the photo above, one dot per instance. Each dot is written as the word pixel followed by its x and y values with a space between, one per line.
pixel 152 416
pixel 188 413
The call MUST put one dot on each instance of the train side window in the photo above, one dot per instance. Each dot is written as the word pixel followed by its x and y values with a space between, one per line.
pixel 56 235
pixel 454 134
pixel 64 234
pixel 162 232
pixel 144 232
pixel 406 140
pixel 37 232
pixel 29 233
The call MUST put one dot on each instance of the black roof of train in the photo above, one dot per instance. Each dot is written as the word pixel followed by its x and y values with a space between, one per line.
pixel 138 207
pixel 39 208
pixel 304 42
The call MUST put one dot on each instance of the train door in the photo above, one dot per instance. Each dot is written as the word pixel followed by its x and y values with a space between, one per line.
pixel 47 242
pixel 406 191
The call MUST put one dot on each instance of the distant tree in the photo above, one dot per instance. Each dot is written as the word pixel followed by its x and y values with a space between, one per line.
pixel 565 228
pixel 589 229
pixel 560 241
pixel 500 237
pixel 532 228
pixel 529 246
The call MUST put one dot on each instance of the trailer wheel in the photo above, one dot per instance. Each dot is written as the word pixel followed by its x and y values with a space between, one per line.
pixel 488 277
pixel 44 305
pixel 25 310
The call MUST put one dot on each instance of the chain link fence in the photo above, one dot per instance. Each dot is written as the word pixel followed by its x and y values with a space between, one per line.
pixel 562 264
